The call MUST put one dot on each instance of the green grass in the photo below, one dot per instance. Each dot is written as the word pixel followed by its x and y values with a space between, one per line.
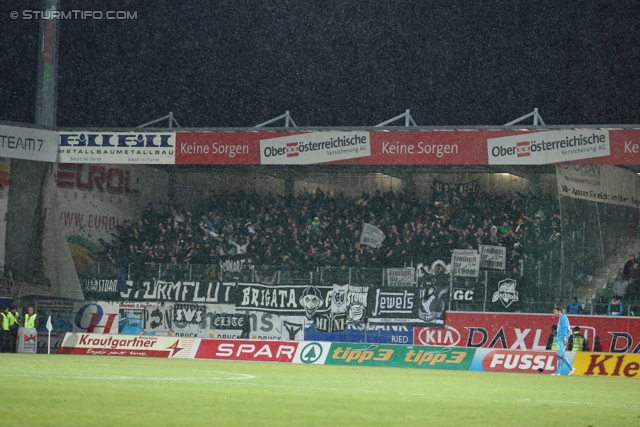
pixel 63 390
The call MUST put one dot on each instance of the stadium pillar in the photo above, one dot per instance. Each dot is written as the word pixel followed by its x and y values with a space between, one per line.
pixel 47 81
pixel 24 235
pixel 289 184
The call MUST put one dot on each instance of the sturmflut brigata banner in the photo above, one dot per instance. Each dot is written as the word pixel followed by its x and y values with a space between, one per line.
pixel 28 144
pixel 599 183
pixel 548 147
pixel 117 147
pixel 315 147
pixel 290 300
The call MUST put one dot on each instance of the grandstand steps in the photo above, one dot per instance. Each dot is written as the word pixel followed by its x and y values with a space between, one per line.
pixel 601 283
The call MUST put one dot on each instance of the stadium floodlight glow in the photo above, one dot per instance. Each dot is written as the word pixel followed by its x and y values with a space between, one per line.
pixel 408 120
pixel 287 119
pixel 536 118
pixel 168 117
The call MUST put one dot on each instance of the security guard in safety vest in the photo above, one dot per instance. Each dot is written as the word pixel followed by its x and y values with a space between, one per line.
pixel 14 325
pixel 551 341
pixel 577 341
pixel 4 329
pixel 30 318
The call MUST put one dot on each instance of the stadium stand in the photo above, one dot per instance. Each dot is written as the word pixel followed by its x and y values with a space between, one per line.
pixel 314 229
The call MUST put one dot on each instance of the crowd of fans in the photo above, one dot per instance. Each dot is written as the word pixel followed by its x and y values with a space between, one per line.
pixel 318 229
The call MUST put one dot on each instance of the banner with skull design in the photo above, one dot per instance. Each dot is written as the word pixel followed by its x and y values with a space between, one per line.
pixel 288 300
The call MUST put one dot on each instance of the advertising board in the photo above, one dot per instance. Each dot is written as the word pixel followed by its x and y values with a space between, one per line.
pixel 519 331
pixel 423 147
pixel 400 356
pixel 123 345
pixel 247 350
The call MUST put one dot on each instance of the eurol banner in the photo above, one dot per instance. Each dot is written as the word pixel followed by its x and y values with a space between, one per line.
pixel 117 147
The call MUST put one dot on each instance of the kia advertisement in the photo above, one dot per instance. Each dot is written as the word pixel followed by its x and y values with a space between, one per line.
pixel 517 331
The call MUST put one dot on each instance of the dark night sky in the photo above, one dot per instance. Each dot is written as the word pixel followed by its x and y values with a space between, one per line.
pixel 228 63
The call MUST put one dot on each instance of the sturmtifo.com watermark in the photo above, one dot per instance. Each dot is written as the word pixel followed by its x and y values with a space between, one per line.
pixel 108 15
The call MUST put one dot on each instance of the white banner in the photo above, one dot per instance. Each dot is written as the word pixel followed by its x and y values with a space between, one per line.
pixel 541 148
pixel 28 144
pixel 315 147
pixel 339 298
pixel 493 257
pixel 465 264
pixel 371 236
pixel 599 183
pixel 400 276
pixel 117 147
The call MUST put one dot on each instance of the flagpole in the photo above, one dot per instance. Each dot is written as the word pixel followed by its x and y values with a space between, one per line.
pixel 49 328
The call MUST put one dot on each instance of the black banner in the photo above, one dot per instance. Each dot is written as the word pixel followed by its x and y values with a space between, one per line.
pixel 424 306
pixel 164 291
pixel 100 289
pixel 331 322
pixel 284 299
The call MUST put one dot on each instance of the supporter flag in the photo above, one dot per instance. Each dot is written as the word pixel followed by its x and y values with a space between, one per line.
pixel 339 298
pixel 465 263
pixel 371 236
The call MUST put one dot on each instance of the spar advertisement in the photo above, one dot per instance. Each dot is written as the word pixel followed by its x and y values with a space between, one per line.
pixel 247 350
pixel 609 334
pixel 423 147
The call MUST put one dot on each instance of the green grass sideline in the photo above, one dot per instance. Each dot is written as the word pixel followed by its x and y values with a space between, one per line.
pixel 64 390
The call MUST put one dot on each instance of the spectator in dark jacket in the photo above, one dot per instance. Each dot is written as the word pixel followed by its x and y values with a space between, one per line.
pixel 574 307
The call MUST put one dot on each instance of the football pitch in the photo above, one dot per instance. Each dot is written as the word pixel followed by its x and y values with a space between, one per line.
pixel 65 390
